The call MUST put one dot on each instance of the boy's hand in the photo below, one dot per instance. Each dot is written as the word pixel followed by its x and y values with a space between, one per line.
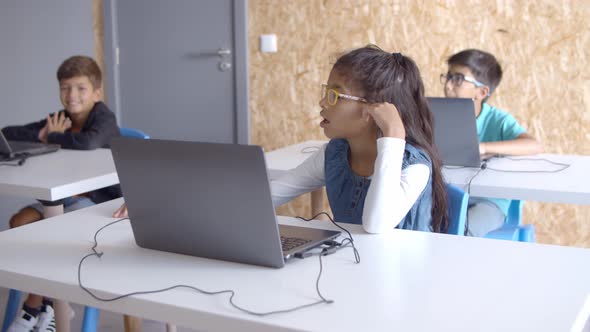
pixel 387 118
pixel 58 123
pixel 121 212
pixel 482 149
pixel 42 136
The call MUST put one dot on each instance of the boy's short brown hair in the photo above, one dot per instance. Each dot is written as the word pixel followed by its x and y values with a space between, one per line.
pixel 80 65
pixel 483 65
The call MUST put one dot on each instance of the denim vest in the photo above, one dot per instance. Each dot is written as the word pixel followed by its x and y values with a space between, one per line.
pixel 347 191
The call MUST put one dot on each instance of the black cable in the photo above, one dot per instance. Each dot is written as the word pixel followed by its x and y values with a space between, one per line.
pixel 564 166
pixel 12 165
pixel 229 291
pixel 483 166
pixel 357 256
pixel 21 161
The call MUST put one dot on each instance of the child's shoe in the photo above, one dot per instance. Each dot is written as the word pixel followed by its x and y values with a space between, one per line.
pixel 25 322
pixel 46 321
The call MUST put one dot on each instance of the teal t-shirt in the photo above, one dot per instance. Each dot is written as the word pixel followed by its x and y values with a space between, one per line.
pixel 495 125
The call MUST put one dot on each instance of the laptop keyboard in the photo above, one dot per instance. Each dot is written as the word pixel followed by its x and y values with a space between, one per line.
pixel 21 146
pixel 288 243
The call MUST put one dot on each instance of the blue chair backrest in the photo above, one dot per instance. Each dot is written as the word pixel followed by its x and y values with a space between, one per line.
pixel 457 203
pixel 130 132
pixel 514 217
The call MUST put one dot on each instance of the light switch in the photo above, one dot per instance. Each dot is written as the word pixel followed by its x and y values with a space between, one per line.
pixel 268 43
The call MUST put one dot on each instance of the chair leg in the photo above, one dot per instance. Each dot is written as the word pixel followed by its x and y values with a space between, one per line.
pixel 12 306
pixel 132 324
pixel 90 322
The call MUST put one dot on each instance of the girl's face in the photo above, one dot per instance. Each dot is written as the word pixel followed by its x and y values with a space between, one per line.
pixel 344 119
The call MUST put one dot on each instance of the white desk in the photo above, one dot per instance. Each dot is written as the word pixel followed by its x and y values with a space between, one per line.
pixel 59 175
pixel 571 185
pixel 407 281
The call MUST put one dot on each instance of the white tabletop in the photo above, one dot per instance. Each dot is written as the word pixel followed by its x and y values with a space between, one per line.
pixel 407 280
pixel 571 185
pixel 284 159
pixel 529 178
pixel 60 174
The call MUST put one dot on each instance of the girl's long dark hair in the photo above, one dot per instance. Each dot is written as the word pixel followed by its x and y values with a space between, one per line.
pixel 395 78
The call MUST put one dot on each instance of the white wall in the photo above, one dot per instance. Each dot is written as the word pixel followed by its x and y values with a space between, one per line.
pixel 35 37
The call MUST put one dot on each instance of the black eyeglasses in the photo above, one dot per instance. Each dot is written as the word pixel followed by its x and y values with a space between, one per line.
pixel 457 79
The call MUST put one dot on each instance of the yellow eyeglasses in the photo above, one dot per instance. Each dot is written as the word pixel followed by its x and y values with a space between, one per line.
pixel 334 95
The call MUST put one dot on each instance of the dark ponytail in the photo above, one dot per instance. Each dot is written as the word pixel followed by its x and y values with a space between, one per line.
pixel 395 78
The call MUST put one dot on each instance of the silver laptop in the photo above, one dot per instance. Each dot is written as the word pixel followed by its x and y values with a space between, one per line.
pixel 455 131
pixel 206 199
pixel 10 150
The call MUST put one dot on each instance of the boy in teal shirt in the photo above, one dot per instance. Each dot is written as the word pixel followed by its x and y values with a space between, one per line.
pixel 476 74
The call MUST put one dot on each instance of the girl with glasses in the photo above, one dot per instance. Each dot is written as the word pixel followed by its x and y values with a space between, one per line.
pixel 380 167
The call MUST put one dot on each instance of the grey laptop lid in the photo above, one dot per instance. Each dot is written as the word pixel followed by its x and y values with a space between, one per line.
pixel 455 131
pixel 16 149
pixel 203 199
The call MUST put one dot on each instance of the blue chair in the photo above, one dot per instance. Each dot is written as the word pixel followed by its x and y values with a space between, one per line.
pixel 457 204
pixel 12 307
pixel 513 229
pixel 130 132
pixel 515 213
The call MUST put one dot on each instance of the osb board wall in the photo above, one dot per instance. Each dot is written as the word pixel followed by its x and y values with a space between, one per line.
pixel 98 32
pixel 541 45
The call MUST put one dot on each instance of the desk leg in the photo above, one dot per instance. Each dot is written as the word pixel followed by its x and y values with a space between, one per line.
pixel 132 324
pixel 317 203
pixel 62 308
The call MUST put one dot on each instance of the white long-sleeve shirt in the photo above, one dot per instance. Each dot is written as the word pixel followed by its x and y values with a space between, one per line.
pixel 390 196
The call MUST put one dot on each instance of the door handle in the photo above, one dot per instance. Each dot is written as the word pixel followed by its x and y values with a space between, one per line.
pixel 223 52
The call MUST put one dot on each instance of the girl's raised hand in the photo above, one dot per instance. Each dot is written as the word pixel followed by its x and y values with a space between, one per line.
pixel 387 118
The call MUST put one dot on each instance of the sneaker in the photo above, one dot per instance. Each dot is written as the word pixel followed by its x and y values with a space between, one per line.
pixel 25 322
pixel 46 321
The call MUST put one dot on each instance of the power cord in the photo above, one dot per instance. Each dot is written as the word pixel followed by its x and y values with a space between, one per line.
pixel 485 166
pixel 232 293
pixel 21 161
pixel 334 245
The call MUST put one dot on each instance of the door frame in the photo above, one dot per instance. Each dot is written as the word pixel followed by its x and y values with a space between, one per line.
pixel 241 123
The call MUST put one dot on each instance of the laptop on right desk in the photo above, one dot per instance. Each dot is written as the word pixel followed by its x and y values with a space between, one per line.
pixel 455 131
